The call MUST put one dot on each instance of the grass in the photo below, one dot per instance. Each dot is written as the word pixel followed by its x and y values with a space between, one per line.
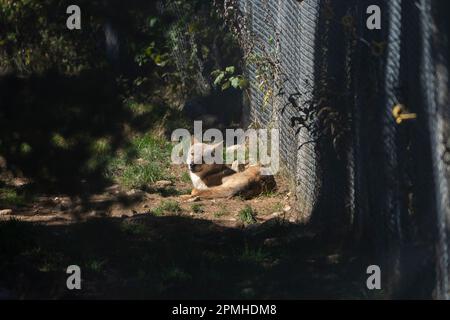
pixel 185 177
pixel 143 162
pixel 269 193
pixel 180 260
pixel 134 229
pixel 197 208
pixel 175 274
pixel 167 207
pixel 10 197
pixel 252 255
pixel 96 265
pixel 247 215
pixel 221 212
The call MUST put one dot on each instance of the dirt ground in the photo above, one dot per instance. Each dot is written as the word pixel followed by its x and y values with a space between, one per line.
pixel 128 247
pixel 118 202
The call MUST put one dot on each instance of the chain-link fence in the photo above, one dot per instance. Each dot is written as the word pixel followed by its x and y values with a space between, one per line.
pixel 364 121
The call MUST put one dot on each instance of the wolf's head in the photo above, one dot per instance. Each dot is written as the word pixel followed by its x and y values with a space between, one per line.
pixel 202 156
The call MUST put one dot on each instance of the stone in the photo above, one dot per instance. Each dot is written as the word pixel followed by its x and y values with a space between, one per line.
pixel 276 214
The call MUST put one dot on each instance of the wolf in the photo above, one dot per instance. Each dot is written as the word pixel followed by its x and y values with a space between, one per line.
pixel 213 181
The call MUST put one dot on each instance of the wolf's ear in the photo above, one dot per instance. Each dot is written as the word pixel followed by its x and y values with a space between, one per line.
pixel 194 140
pixel 215 148
pixel 217 145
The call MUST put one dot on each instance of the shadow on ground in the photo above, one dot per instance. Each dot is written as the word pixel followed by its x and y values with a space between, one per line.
pixel 49 124
pixel 175 257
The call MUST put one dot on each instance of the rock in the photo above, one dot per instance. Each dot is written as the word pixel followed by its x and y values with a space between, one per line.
pixel 276 214
pixel 6 212
pixel 114 189
pixel 78 209
pixel 92 213
pixel 292 220
pixel 287 208
pixel 65 204
pixel 163 184
pixel 135 192
pixel 20 182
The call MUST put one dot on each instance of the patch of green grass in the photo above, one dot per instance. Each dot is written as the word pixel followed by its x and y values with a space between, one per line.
pixel 143 162
pixel 197 208
pixel 185 177
pixel 10 197
pixel 100 146
pixel 247 215
pixel 175 274
pixel 61 142
pixel 268 193
pixel 96 265
pixel 221 212
pixel 185 191
pixel 138 176
pixel 252 255
pixel 167 207
pixel 135 229
pixel 139 109
pixel 25 149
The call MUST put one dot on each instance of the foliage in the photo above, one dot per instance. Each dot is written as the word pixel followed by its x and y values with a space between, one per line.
pixel 320 115
pixel 34 38
pixel 168 207
pixel 197 208
pixel 141 163
pixel 247 215
pixel 10 197
pixel 227 78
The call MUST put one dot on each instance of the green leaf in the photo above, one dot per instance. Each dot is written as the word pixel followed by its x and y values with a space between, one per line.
pixel 152 21
pixel 215 73
pixel 243 83
pixel 235 81
pixel 160 60
pixel 226 85
pixel 230 70
pixel 219 79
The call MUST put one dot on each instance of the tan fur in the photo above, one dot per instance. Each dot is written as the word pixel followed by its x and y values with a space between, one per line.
pixel 221 181
pixel 247 183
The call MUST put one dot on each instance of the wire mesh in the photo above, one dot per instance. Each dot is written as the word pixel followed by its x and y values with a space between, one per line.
pixel 392 180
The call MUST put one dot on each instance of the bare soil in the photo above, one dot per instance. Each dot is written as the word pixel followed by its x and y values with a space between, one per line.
pixel 126 251
pixel 118 202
